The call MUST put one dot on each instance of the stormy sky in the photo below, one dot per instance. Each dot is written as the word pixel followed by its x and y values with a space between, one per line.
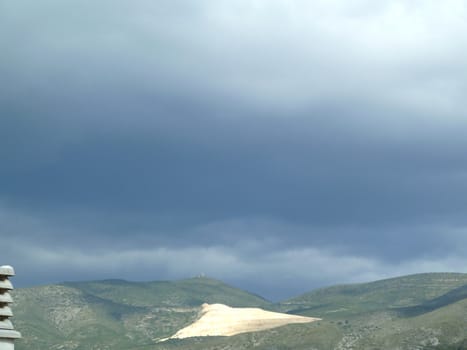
pixel 276 145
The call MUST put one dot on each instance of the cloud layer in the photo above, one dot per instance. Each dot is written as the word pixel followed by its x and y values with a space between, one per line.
pixel 242 139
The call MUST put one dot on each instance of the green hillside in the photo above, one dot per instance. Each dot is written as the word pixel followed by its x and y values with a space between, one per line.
pixel 389 294
pixel 426 311
pixel 184 293
pixel 115 314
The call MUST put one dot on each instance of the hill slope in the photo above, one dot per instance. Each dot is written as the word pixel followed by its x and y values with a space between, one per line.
pixel 399 292
pixel 183 293
pixel 426 311
pixel 115 314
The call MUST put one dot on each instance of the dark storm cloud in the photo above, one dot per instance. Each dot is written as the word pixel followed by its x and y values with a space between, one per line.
pixel 325 131
pixel 273 169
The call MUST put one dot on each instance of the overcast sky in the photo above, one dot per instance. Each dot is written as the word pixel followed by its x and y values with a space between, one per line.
pixel 278 145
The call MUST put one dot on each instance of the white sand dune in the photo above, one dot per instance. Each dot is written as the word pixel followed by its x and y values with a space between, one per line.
pixel 222 320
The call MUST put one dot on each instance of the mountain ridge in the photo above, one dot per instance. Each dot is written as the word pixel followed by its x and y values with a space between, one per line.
pixel 400 312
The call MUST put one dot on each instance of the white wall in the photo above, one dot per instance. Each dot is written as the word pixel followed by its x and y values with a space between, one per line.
pixel 7 344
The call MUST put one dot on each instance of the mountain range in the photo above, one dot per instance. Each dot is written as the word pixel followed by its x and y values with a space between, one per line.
pixel 424 311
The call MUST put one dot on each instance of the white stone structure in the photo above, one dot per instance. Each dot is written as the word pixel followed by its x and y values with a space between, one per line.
pixel 7 332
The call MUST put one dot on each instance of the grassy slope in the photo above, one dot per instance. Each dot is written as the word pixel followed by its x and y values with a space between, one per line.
pixel 418 311
pixel 115 314
pixel 354 299
pixel 442 328
pixel 426 311
pixel 184 293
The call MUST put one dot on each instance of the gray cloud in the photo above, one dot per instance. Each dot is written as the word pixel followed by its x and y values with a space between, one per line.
pixel 274 53
pixel 317 128
pixel 254 264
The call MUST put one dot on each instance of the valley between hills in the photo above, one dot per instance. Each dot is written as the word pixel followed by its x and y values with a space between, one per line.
pixel 424 311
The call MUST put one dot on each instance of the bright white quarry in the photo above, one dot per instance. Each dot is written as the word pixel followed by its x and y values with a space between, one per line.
pixel 222 320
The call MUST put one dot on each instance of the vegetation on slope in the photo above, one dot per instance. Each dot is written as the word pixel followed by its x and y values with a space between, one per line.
pixel 184 293
pixel 426 311
pixel 115 314
pixel 389 294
